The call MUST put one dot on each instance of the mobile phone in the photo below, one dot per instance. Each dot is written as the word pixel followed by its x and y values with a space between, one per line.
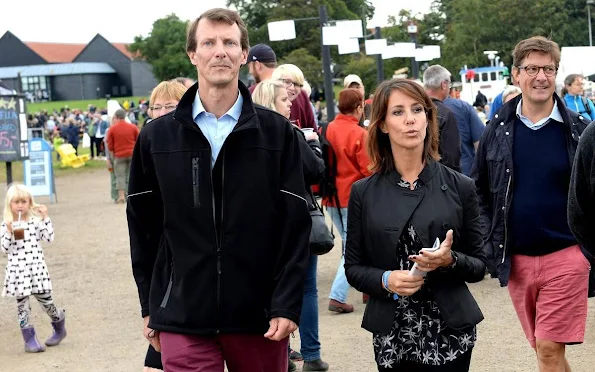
pixel 434 248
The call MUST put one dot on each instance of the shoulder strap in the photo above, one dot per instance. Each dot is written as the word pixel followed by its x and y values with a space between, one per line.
pixel 587 106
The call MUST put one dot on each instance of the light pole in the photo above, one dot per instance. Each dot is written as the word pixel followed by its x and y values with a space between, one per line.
pixel 329 94
pixel 379 61
pixel 412 31
pixel 589 3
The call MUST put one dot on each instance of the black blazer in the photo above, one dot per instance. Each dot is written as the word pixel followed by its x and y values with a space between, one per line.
pixel 379 210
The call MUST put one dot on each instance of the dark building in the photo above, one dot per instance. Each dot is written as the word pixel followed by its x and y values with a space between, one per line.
pixel 73 71
pixel 13 52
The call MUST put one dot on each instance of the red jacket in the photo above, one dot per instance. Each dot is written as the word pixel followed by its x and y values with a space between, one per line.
pixel 348 140
pixel 121 137
pixel 301 112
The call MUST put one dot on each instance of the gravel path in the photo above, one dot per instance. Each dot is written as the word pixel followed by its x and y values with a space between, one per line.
pixel 90 268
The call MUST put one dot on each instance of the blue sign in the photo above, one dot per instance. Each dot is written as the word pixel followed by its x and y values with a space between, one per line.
pixel 38 170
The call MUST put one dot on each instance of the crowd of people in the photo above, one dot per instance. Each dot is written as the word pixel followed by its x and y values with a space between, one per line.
pixel 222 186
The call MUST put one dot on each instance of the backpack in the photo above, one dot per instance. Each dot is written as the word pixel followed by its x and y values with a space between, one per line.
pixel 328 187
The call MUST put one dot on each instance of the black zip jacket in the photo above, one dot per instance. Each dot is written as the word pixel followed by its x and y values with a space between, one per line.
pixel 493 175
pixel 221 250
pixel 581 199
pixel 379 210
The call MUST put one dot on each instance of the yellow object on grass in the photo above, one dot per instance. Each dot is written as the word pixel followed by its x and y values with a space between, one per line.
pixel 69 158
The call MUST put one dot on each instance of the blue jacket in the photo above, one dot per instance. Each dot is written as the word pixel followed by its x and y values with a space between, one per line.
pixel 72 134
pixel 576 103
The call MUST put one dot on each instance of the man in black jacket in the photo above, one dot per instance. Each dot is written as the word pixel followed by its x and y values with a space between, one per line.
pixel 218 224
pixel 437 84
pixel 581 196
pixel 522 171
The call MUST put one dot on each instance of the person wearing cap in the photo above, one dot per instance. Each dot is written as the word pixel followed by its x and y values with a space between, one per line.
pixel 261 62
pixel 355 82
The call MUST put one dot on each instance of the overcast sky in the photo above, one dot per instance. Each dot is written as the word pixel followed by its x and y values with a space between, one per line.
pixel 66 21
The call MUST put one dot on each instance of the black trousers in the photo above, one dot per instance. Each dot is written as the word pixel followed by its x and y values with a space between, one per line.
pixel 461 364
pixel 153 358
pixel 96 146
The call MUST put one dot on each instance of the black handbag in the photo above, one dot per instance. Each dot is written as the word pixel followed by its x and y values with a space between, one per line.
pixel 322 239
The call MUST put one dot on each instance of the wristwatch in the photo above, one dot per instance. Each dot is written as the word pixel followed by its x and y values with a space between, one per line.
pixel 454 260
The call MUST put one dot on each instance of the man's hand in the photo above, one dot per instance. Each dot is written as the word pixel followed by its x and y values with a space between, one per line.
pixel 279 329
pixel 403 284
pixel 152 335
pixel 429 261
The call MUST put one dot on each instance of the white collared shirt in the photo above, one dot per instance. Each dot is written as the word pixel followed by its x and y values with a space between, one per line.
pixel 216 130
pixel 554 115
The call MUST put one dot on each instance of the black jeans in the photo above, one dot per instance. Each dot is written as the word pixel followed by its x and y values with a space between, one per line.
pixel 461 364
pixel 95 146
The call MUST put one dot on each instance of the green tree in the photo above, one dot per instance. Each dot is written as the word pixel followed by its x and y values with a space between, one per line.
pixel 165 48
pixel 257 13
pixel 365 67
pixel 310 65
pixel 467 28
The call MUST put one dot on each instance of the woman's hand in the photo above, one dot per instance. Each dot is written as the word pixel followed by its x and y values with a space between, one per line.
pixel 403 284
pixel 311 136
pixel 430 261
pixel 9 227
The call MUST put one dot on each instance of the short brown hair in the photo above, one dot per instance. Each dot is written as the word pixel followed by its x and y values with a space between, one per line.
pixel 349 100
pixel 535 44
pixel 218 15
pixel 379 148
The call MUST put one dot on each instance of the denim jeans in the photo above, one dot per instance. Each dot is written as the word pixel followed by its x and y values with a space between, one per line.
pixel 310 347
pixel 340 285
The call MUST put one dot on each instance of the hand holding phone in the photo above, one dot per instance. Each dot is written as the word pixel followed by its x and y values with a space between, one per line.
pixel 414 270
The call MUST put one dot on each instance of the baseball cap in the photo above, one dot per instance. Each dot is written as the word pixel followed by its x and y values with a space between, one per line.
pixel 261 53
pixel 350 79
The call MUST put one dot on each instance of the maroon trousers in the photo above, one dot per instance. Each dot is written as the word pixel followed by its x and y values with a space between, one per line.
pixel 241 353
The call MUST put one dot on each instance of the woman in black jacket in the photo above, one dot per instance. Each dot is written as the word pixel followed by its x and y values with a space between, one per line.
pixel 419 322
pixel 272 94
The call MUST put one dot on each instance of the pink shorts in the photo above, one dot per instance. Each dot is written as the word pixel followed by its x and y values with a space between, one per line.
pixel 549 294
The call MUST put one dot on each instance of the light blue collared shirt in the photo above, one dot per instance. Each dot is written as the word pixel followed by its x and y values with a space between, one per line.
pixel 555 115
pixel 216 130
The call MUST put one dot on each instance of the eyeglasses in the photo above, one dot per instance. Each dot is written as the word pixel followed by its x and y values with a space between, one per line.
pixel 289 83
pixel 159 108
pixel 533 70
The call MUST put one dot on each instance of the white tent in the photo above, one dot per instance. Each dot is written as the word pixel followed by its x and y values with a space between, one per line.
pixel 576 60
pixel 112 107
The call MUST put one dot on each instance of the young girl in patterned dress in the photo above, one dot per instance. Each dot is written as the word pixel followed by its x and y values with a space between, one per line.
pixel 26 271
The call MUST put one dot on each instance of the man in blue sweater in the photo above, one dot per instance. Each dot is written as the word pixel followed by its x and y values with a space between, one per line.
pixel 522 172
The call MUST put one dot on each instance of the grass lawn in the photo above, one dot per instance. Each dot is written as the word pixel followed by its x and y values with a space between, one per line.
pixel 83 105
pixel 17 168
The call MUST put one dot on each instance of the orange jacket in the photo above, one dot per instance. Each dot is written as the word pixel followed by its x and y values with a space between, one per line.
pixel 121 137
pixel 348 140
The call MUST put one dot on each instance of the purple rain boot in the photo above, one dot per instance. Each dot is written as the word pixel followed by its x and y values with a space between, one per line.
pixel 59 331
pixel 32 345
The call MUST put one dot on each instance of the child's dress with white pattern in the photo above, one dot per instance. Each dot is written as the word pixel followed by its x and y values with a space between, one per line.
pixel 26 271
